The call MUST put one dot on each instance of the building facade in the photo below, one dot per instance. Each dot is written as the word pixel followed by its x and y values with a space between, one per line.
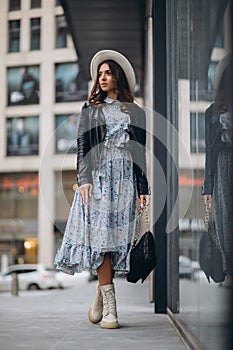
pixel 41 88
pixel 177 48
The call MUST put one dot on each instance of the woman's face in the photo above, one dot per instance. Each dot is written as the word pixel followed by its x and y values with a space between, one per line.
pixel 106 79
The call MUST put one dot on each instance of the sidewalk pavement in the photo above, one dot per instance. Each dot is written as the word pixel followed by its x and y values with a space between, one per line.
pixel 57 320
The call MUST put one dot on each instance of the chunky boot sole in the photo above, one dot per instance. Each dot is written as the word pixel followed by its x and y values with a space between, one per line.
pixel 109 325
pixel 91 319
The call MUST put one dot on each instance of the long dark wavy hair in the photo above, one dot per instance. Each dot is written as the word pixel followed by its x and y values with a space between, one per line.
pixel 97 95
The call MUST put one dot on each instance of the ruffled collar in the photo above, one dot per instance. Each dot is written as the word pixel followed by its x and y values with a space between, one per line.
pixel 109 100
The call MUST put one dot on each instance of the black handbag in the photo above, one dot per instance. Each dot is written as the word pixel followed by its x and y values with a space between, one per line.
pixel 142 256
pixel 210 256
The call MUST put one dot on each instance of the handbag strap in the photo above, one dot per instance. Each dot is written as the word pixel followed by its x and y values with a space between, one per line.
pixel 140 211
pixel 209 220
pixel 208 217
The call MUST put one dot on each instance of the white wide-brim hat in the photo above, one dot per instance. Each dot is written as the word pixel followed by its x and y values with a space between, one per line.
pixel 104 55
pixel 221 67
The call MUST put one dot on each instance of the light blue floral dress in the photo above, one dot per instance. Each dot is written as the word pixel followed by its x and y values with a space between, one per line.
pixel 106 223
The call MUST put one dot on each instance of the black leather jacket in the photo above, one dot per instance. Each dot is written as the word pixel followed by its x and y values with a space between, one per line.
pixel 213 146
pixel 91 135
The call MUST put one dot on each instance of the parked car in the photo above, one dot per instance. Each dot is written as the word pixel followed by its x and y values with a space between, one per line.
pixel 30 277
pixel 187 267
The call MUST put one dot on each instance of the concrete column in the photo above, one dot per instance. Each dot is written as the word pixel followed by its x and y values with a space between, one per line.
pixel 25 34
pixel 46 213
pixel 46 174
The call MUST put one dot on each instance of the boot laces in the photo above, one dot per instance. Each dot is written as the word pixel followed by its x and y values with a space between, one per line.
pixel 111 304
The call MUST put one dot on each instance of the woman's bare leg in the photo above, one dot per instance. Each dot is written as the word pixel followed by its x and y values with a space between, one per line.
pixel 105 272
pixel 105 277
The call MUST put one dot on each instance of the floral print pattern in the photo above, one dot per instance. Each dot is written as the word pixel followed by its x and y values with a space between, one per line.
pixel 106 223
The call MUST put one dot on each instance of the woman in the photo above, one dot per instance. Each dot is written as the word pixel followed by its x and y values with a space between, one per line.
pixel 218 185
pixel 111 167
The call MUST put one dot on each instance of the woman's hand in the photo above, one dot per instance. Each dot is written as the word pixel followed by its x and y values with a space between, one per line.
pixel 144 200
pixel 208 200
pixel 85 192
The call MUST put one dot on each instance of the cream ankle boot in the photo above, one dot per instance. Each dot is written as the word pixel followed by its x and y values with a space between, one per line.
pixel 109 319
pixel 95 312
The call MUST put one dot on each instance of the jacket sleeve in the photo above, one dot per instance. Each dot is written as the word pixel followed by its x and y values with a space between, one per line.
pixel 83 148
pixel 207 187
pixel 138 149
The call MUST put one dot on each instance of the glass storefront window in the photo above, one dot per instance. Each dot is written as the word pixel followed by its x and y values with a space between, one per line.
pixel 22 136
pixel 61 32
pixel 66 133
pixel 14 36
pixel 18 215
pixel 14 5
pixel 18 195
pixel 70 84
pixel 23 85
pixel 204 306
pixel 35 34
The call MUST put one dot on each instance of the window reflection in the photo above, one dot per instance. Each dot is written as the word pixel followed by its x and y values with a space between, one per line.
pixel 61 32
pixel 204 36
pixel 197 130
pixel 22 136
pixel 66 133
pixel 23 85
pixel 14 36
pixel 70 84
pixel 218 189
pixel 35 34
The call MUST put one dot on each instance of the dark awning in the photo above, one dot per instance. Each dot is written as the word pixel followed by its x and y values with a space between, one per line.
pixel 119 25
